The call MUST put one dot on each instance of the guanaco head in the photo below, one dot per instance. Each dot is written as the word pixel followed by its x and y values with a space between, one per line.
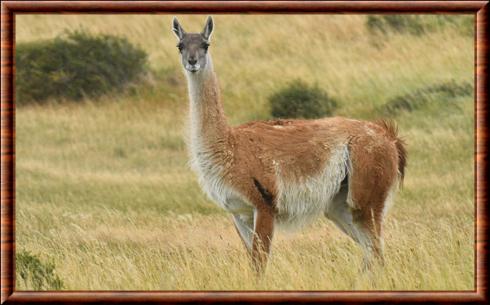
pixel 193 47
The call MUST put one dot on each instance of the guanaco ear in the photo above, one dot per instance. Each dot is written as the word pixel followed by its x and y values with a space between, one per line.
pixel 208 28
pixel 178 30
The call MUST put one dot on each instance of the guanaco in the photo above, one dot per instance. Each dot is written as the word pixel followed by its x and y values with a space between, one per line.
pixel 284 173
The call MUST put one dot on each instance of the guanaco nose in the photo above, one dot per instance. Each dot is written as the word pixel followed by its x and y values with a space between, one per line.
pixel 192 61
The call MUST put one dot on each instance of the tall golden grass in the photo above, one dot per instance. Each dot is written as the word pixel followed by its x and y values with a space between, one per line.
pixel 103 187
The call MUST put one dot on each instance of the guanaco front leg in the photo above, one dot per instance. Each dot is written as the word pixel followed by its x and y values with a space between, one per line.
pixel 262 238
pixel 244 224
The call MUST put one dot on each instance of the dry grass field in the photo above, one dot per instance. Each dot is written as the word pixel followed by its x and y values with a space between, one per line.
pixel 104 192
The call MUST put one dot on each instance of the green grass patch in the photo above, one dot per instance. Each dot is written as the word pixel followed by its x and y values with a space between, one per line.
pixel 36 274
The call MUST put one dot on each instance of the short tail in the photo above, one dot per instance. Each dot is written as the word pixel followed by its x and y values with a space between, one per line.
pixel 392 131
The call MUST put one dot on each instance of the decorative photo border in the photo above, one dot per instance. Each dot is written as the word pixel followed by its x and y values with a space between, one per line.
pixel 9 10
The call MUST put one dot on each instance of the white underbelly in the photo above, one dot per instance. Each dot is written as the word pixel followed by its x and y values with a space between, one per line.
pixel 299 203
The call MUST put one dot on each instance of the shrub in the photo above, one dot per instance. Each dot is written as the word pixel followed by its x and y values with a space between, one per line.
pixel 299 100
pixel 75 65
pixel 445 93
pixel 36 274
pixel 418 24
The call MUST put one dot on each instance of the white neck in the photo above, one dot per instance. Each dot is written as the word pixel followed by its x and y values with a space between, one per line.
pixel 197 80
pixel 207 119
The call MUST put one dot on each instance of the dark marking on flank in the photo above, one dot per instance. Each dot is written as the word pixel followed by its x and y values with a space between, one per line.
pixel 266 195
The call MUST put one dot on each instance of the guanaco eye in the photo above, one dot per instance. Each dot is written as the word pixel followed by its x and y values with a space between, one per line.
pixel 205 46
pixel 180 47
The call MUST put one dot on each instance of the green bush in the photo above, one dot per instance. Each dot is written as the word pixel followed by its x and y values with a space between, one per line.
pixel 75 65
pixel 299 100
pixel 36 274
pixel 443 94
pixel 418 24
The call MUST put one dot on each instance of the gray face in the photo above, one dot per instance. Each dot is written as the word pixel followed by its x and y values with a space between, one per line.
pixel 193 47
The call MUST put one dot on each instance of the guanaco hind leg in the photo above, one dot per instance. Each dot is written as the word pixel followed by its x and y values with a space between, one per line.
pixel 360 229
pixel 364 226
pixel 372 176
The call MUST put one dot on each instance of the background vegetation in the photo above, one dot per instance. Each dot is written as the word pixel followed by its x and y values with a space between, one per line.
pixel 105 194
pixel 299 100
pixel 75 65
pixel 35 273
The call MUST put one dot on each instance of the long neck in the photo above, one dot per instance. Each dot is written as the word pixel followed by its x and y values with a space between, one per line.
pixel 208 122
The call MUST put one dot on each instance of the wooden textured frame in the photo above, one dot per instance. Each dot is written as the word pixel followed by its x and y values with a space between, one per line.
pixel 10 8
